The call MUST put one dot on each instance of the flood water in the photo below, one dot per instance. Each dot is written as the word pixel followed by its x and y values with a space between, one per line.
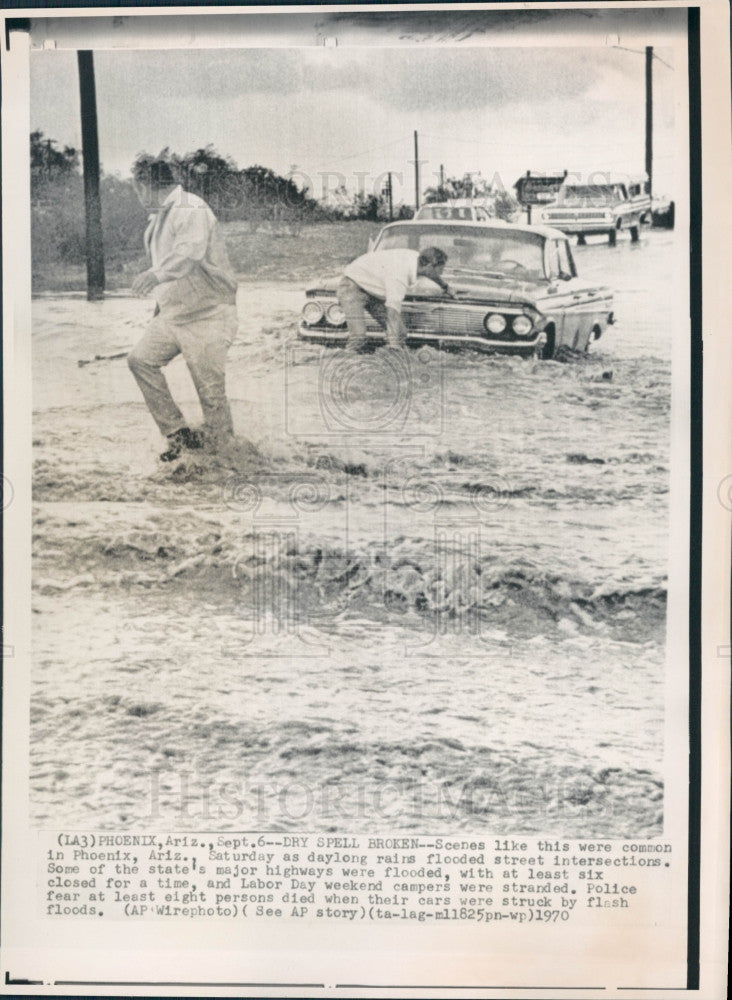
pixel 431 596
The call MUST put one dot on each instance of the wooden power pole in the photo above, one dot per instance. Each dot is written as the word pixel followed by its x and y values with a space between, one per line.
pixel 416 172
pixel 90 156
pixel 649 117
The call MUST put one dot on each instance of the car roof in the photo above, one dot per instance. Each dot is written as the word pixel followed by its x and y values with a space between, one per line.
pixel 546 231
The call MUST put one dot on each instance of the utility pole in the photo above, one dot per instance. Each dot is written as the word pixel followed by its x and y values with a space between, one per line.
pixel 649 117
pixel 416 171
pixel 391 199
pixel 92 201
pixel 442 179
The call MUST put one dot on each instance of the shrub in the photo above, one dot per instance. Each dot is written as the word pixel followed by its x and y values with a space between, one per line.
pixel 506 207
pixel 57 221
pixel 123 219
pixel 58 233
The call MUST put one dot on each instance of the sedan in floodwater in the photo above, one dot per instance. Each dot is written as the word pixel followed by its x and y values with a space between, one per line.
pixel 516 292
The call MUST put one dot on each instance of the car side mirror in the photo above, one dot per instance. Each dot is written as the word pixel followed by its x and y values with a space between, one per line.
pixel 372 243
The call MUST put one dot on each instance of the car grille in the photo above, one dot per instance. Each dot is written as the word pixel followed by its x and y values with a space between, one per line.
pixel 455 322
pixel 575 215
pixel 449 321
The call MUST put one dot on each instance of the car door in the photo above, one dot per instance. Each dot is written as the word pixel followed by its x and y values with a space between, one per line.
pixel 641 201
pixel 577 304
pixel 625 206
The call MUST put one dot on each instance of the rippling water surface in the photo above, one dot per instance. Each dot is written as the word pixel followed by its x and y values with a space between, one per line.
pixel 422 596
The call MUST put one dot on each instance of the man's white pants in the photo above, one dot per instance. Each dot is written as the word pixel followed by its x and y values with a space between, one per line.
pixel 204 344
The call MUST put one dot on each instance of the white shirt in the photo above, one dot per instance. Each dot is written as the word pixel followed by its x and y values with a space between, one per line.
pixel 385 274
pixel 189 257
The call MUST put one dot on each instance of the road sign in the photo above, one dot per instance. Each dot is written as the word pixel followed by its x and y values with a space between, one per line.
pixel 536 189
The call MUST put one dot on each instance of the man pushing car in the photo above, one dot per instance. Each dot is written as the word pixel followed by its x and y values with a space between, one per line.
pixel 377 283
pixel 195 314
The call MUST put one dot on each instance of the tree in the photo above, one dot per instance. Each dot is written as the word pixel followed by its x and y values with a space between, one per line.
pixel 467 186
pixel 437 194
pixel 57 210
pixel 204 171
pixel 255 195
pixel 50 164
pixel 48 161
pixel 366 206
pixel 505 206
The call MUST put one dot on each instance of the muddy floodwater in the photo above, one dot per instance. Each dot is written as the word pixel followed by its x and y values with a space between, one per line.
pixel 425 595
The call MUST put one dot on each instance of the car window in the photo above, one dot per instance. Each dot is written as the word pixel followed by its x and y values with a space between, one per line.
pixel 447 212
pixel 587 194
pixel 396 239
pixel 566 264
pixel 522 258
pixel 511 252
pixel 435 212
pixel 552 259
pixel 559 260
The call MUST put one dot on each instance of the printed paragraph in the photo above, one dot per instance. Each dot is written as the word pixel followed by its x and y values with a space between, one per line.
pixel 256 876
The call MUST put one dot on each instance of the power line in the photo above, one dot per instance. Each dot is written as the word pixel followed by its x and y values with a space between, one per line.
pixel 638 52
pixel 353 156
pixel 529 144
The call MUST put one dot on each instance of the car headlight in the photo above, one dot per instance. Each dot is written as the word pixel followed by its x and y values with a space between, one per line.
pixel 522 325
pixel 495 323
pixel 335 315
pixel 312 313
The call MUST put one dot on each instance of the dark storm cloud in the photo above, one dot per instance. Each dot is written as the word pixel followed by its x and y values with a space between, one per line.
pixel 202 73
pixel 449 79
pixel 410 79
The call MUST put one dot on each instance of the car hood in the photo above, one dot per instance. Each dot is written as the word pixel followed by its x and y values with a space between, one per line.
pixel 472 287
pixel 469 288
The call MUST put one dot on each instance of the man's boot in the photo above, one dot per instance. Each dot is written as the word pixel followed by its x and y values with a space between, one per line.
pixel 180 439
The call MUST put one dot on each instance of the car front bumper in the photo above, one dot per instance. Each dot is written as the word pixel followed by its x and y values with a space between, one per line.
pixel 588 227
pixel 337 337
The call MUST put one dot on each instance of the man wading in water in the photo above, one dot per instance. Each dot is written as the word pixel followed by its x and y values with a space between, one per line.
pixel 377 283
pixel 195 314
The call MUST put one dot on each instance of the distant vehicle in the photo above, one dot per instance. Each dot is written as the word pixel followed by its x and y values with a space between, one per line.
pixel 600 208
pixel 457 209
pixel 516 292
pixel 663 211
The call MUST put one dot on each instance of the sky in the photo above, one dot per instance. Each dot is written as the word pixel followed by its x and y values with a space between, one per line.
pixel 347 115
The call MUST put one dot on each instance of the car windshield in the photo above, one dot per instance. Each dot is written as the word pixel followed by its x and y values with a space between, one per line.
pixel 503 252
pixel 588 194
